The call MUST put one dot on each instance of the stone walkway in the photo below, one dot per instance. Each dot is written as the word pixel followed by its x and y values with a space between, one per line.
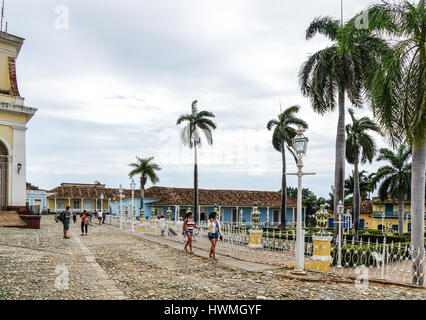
pixel 111 264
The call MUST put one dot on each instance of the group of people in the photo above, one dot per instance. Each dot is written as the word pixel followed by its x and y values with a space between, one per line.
pixel 86 220
pixel 213 232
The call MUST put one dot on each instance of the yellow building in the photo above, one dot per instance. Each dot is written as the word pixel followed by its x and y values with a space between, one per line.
pixel 377 213
pixel 14 116
pixel 81 197
pixel 385 213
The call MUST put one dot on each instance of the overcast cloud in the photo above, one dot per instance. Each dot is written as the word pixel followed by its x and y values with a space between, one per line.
pixel 112 86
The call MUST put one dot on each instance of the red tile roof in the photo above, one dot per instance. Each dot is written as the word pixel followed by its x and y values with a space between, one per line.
pixel 243 198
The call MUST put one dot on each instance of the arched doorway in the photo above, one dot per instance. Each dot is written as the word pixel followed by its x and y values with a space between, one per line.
pixel 3 176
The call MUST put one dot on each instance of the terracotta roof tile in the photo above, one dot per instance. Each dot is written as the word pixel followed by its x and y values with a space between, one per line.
pixel 243 198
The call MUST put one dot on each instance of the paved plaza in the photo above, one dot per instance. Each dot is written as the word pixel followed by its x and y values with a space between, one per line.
pixel 114 264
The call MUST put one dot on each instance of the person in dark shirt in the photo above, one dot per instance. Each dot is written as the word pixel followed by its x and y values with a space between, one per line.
pixel 67 220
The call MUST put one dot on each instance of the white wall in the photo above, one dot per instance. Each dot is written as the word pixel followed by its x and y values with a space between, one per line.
pixel 18 184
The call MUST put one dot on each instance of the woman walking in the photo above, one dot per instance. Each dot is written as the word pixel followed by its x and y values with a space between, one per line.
pixel 84 223
pixel 188 230
pixel 213 229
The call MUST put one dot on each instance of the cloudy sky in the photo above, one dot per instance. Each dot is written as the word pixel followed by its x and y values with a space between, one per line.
pixel 111 84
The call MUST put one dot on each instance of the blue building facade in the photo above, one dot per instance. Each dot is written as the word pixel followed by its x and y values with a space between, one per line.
pixel 36 201
pixel 234 206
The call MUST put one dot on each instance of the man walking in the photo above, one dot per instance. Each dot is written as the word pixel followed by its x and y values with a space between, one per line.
pixel 103 216
pixel 100 216
pixel 66 222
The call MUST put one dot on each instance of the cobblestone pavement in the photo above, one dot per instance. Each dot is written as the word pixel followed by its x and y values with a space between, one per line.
pixel 110 264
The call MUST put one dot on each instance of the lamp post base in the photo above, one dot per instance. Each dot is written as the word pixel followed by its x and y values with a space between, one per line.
pixel 298 272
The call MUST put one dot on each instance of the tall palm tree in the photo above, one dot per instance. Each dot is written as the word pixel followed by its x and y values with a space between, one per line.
pixel 360 148
pixel 147 171
pixel 365 186
pixel 396 84
pixel 196 122
pixel 336 71
pixel 282 138
pixel 395 178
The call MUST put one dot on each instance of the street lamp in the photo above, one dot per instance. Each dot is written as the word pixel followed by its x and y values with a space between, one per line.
pixel 340 211
pixel 383 222
pixel 300 146
pixel 348 219
pixel 102 201
pixel 120 190
pixel 133 186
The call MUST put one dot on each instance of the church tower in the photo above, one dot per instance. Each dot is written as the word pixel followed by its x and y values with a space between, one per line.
pixel 14 116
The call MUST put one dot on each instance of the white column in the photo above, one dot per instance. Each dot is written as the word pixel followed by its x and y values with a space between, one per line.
pixel 69 202
pixel 82 205
pixel 55 205
pixel 267 215
pixel 18 180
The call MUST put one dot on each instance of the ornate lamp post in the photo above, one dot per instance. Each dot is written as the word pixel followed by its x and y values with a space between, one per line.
pixel 348 219
pixel 102 202
pixel 120 190
pixel 383 222
pixel 340 210
pixel 300 145
pixel 255 233
pixel 132 187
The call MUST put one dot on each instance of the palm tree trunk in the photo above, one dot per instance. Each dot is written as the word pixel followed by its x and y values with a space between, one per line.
pixel 283 187
pixel 339 167
pixel 401 211
pixel 142 195
pixel 356 193
pixel 195 182
pixel 417 211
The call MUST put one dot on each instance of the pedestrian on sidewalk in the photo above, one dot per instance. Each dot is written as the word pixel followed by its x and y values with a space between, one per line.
pixel 188 230
pixel 103 217
pixel 100 216
pixel 66 222
pixel 74 217
pixel 90 217
pixel 84 222
pixel 213 234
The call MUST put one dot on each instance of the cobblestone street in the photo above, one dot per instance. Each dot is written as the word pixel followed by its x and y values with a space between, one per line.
pixel 111 264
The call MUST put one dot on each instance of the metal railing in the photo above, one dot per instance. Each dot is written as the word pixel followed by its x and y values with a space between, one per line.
pixel 382 261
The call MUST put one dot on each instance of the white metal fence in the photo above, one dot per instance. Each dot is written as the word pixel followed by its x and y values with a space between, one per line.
pixel 377 261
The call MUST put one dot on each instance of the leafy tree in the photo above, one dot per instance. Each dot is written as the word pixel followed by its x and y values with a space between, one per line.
pixel 196 122
pixel 282 137
pixel 31 187
pixel 147 171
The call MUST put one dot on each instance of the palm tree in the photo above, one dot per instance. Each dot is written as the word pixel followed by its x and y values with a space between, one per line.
pixel 395 178
pixel 360 148
pixel 147 171
pixel 336 70
pixel 396 84
pixel 365 186
pixel 190 136
pixel 282 138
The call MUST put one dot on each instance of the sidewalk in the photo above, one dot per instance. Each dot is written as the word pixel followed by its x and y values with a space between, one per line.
pixel 230 262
